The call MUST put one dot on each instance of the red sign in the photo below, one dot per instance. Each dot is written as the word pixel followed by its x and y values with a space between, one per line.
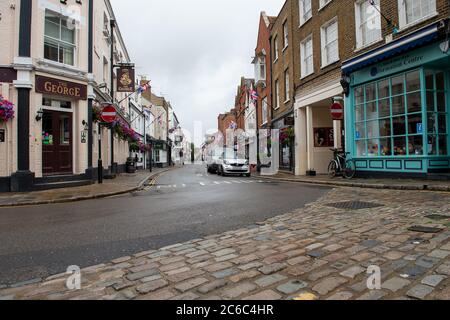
pixel 109 114
pixel 337 111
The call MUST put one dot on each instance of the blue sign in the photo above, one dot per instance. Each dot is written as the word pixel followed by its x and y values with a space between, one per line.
pixel 420 128
pixel 358 135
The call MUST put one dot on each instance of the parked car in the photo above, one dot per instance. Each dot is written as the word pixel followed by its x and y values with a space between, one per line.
pixel 230 163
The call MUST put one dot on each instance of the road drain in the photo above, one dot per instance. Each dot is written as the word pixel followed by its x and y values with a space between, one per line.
pixel 354 205
pixel 424 229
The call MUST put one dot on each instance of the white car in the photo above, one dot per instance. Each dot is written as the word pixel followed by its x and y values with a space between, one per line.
pixel 231 164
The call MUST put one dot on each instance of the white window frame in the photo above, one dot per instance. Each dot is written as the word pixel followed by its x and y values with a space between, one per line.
pixel 304 68
pixel 323 3
pixel 404 24
pixel 303 15
pixel 287 86
pixel 259 66
pixel 264 111
pixel 358 24
pixel 285 35
pixel 74 45
pixel 275 48
pixel 325 61
pixel 277 95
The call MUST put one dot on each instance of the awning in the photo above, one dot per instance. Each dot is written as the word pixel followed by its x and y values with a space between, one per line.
pixel 413 40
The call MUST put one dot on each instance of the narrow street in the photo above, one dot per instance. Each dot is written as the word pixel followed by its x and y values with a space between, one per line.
pixel 184 204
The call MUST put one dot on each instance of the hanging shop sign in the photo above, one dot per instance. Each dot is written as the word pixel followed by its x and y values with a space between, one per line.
pixel 126 79
pixel 61 88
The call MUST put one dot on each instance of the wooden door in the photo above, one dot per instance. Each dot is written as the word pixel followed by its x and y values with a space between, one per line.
pixel 57 143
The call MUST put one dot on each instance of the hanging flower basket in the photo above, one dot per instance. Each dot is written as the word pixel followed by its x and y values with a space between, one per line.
pixel 6 110
pixel 286 137
pixel 96 114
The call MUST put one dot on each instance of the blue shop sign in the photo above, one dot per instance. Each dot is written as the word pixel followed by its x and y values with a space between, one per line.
pixel 406 61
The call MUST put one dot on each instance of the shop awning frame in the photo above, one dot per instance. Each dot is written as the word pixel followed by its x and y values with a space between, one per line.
pixel 413 40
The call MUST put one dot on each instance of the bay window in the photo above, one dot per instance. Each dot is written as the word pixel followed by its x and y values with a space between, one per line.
pixel 389 116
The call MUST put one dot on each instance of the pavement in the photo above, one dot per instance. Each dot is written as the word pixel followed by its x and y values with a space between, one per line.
pixel 124 183
pixel 180 205
pixel 370 183
pixel 323 250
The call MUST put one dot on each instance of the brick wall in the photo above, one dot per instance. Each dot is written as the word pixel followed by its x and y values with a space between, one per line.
pixel 264 89
pixel 285 60
pixel 344 10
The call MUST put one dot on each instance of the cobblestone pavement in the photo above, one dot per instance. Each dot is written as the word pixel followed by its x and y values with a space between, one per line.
pixel 319 250
pixel 440 185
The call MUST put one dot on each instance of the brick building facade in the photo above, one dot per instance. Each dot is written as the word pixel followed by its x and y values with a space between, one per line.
pixel 281 40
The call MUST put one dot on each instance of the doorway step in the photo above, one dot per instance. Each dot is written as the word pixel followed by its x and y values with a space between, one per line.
pixel 62 181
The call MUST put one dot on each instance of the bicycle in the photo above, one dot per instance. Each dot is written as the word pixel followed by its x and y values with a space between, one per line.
pixel 341 166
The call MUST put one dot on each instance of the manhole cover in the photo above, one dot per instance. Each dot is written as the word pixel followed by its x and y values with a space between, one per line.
pixel 424 229
pixel 437 217
pixel 354 205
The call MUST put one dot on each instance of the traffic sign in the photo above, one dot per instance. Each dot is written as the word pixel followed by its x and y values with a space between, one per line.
pixel 337 111
pixel 109 114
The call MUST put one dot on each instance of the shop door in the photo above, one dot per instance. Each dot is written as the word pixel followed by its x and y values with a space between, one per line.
pixel 56 143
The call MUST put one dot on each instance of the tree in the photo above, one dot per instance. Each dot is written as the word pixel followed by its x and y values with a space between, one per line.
pixel 192 152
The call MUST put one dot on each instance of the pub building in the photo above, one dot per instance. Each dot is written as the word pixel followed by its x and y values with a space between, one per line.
pixel 58 68
pixel 397 109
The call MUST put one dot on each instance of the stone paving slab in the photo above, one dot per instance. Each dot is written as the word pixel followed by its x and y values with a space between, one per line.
pixel 271 259
pixel 124 183
pixel 388 183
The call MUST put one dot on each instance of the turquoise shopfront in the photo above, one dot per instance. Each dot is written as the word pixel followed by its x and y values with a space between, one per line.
pixel 397 109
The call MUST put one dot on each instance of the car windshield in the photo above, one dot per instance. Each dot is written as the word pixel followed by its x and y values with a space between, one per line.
pixel 232 154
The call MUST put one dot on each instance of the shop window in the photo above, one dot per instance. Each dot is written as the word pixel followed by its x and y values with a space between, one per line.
pixel 389 119
pixel 437 113
pixel 59 39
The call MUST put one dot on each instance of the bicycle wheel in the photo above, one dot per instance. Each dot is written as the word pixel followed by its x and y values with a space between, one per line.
pixel 333 169
pixel 350 169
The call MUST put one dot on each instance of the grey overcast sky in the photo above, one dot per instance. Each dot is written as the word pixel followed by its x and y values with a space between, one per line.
pixel 194 51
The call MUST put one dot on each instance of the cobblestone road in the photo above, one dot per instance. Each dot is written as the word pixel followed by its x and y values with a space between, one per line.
pixel 320 250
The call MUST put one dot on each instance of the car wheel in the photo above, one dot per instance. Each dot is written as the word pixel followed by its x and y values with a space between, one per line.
pixel 248 175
